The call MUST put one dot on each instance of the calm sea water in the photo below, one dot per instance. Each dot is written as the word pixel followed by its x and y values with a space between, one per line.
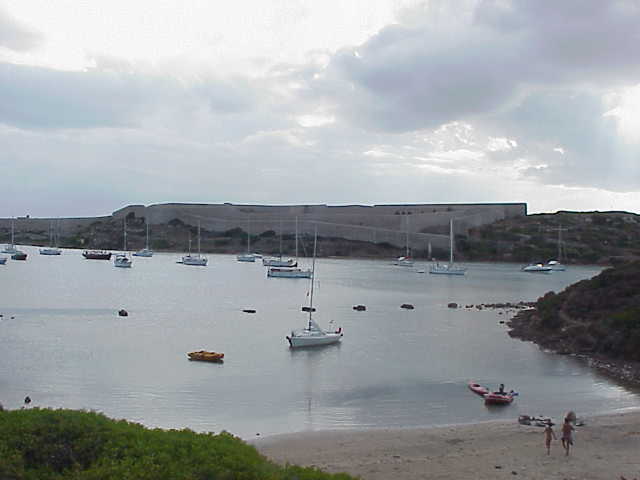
pixel 66 347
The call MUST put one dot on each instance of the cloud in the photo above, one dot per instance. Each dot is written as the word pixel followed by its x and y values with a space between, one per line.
pixel 15 36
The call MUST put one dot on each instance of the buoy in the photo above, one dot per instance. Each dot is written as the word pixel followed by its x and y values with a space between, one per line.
pixel 452 305
pixel 123 313
pixel 249 310
pixel 306 309
pixel 360 308
pixel 407 306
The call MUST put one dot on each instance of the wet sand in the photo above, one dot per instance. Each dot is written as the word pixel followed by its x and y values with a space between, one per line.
pixel 606 447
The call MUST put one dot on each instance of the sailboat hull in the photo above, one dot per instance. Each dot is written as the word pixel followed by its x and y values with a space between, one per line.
pixel 447 270
pixel 246 258
pixel 288 273
pixel 313 339
pixel 50 251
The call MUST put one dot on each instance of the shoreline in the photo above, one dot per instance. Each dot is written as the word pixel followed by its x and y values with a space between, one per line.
pixel 606 447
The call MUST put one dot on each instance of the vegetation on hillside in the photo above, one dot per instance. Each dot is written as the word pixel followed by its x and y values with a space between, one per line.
pixel 596 317
pixel 43 444
pixel 587 238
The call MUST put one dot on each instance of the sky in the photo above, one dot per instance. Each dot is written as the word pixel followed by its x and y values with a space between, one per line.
pixel 109 103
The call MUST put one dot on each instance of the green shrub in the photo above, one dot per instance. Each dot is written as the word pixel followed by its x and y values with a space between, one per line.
pixel 43 444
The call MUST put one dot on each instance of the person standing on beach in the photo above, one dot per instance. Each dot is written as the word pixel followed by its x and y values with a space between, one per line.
pixel 548 435
pixel 567 435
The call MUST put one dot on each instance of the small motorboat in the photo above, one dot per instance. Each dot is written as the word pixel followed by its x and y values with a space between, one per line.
pixel 497 398
pixel 477 388
pixel 204 356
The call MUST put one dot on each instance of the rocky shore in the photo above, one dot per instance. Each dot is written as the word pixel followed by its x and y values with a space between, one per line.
pixel 525 326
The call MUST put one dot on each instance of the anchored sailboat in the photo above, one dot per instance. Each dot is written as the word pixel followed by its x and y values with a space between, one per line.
pixel 247 257
pixel 146 251
pixel 312 335
pixel 10 248
pixel 290 272
pixel 279 262
pixel 122 260
pixel 448 268
pixel 405 261
pixel 195 260
pixel 52 249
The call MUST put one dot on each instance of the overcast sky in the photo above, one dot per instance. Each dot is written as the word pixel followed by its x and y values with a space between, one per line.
pixel 109 103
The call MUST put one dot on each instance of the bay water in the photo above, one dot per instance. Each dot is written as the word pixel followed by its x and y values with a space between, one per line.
pixel 63 344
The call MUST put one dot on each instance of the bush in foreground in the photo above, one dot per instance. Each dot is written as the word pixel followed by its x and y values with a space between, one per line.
pixel 44 444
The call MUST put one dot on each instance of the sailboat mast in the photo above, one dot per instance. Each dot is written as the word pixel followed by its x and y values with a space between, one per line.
pixel 147 245
pixel 560 243
pixel 198 237
pixel 248 234
pixel 451 240
pixel 124 241
pixel 407 240
pixel 313 273
pixel 296 238
pixel 281 239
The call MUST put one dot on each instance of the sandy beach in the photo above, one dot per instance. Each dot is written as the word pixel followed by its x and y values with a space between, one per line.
pixel 606 447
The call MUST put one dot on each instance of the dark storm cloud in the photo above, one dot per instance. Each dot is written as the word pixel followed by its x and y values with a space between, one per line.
pixel 15 36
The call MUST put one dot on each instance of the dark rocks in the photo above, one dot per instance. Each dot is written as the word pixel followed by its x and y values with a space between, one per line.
pixel 407 306
pixel 306 309
pixel 123 313
pixel 452 305
pixel 359 308
pixel 249 310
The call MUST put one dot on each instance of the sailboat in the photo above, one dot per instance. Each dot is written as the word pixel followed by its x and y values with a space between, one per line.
pixel 195 260
pixel 406 260
pixel 122 260
pixel 10 248
pixel 556 265
pixel 247 257
pixel 52 249
pixel 146 251
pixel 312 335
pixel 279 262
pixel 290 272
pixel 448 268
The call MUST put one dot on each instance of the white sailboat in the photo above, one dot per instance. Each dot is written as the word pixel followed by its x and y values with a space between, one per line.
pixel 406 260
pixel 247 257
pixel 537 268
pixel 52 249
pixel 122 260
pixel 195 260
pixel 290 272
pixel 146 251
pixel 10 248
pixel 556 265
pixel 279 262
pixel 448 268
pixel 312 335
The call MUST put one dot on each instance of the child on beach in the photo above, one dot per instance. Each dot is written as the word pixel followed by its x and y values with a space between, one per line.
pixel 548 435
pixel 567 434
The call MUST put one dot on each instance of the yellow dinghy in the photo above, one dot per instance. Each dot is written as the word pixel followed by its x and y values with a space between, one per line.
pixel 204 356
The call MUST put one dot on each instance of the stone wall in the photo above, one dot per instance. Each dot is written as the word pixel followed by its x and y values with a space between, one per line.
pixel 419 223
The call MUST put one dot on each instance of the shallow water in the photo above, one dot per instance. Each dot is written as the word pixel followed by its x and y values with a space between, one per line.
pixel 66 346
